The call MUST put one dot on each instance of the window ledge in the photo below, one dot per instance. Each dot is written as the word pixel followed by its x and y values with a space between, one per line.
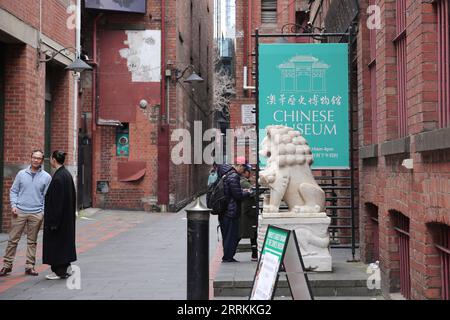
pixel 393 147
pixel 433 140
pixel 370 151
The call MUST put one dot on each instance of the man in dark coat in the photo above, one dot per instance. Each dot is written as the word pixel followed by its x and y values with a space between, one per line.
pixel 229 221
pixel 59 220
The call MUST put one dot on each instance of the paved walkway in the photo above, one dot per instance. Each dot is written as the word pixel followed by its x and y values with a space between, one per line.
pixel 121 255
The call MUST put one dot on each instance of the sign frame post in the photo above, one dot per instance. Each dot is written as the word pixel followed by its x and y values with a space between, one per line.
pixel 346 37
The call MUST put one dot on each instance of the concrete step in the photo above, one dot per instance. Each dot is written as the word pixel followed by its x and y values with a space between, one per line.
pixel 346 280
pixel 320 288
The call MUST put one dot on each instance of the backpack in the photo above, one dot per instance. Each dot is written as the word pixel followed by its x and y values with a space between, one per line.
pixel 216 200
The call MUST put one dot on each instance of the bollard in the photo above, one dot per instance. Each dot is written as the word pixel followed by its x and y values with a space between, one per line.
pixel 198 251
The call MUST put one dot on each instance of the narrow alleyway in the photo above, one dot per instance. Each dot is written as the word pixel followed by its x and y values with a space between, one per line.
pixel 121 255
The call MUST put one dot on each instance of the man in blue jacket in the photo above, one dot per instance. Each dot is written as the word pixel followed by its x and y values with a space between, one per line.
pixel 27 206
pixel 229 221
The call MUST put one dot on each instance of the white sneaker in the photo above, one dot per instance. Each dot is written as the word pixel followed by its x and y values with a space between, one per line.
pixel 52 276
pixel 69 271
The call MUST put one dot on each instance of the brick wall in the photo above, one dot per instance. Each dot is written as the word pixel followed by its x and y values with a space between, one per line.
pixel 184 180
pixel 248 18
pixel 54 17
pixel 24 126
pixel 421 194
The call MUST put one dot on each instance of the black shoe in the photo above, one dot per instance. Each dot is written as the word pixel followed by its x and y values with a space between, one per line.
pixel 229 260
pixel 31 272
pixel 5 271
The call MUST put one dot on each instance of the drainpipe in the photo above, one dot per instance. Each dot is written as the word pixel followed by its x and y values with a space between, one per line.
pixel 248 49
pixel 246 35
pixel 75 93
pixel 163 130
pixel 94 103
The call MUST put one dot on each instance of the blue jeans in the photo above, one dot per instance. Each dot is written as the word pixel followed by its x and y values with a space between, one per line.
pixel 230 236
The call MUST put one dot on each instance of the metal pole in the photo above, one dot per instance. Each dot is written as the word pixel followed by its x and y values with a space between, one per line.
pixel 288 35
pixel 352 165
pixel 257 116
pixel 198 251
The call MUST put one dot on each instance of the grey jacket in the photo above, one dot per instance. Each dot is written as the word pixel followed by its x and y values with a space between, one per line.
pixel 28 191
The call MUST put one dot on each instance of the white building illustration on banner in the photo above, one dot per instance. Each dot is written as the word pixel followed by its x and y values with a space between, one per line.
pixel 303 74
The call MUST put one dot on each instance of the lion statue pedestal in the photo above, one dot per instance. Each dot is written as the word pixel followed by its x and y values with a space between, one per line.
pixel 288 176
pixel 312 236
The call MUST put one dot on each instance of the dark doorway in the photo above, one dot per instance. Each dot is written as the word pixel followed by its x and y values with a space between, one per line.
pixel 84 183
pixel 2 121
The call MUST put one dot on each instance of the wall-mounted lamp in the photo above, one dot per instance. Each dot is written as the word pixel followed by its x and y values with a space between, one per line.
pixel 77 65
pixel 193 78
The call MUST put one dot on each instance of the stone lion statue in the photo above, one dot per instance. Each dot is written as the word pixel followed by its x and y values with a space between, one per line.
pixel 288 173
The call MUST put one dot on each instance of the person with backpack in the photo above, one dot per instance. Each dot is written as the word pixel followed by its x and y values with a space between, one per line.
pixel 229 218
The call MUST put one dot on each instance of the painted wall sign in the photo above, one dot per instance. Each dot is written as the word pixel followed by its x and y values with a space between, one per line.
pixel 131 63
pixel 305 86
pixel 248 116
pixel 123 141
pixel 143 54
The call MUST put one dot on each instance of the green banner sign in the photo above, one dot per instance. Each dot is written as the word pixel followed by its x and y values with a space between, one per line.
pixel 305 86
pixel 269 263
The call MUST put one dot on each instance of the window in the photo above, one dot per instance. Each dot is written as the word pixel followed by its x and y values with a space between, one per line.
pixel 444 250
pixel 401 226
pixel 400 45
pixel 268 11
pixel 443 26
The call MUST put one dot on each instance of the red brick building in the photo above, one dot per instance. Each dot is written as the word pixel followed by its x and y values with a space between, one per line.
pixel 401 91
pixel 249 16
pixel 404 88
pixel 36 98
pixel 117 128
pixel 134 93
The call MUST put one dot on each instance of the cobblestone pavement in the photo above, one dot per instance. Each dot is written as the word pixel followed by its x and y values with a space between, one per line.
pixel 121 255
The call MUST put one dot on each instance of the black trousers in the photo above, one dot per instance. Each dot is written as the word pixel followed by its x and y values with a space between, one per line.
pixel 230 236
pixel 60 270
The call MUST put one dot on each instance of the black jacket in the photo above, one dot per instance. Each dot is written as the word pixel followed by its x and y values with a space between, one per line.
pixel 59 220
pixel 232 189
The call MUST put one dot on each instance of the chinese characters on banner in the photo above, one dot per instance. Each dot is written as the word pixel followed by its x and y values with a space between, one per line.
pixel 305 86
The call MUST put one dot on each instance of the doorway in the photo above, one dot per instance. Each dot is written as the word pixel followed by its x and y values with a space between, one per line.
pixel 84 183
